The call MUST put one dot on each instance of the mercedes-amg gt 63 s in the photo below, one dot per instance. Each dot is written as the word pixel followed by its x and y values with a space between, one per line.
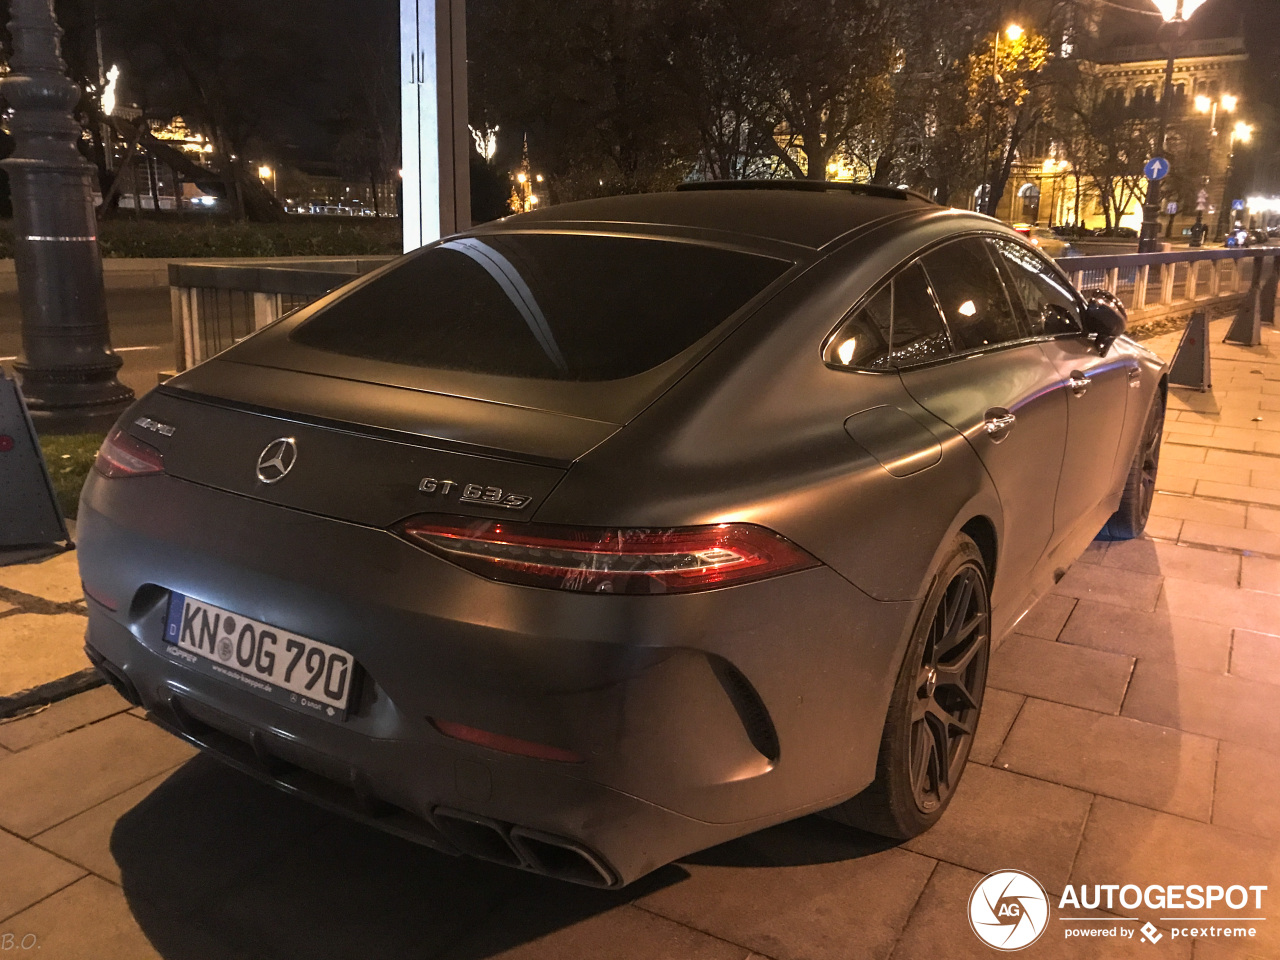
pixel 595 536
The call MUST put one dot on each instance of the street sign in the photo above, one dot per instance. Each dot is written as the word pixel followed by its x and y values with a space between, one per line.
pixel 1171 207
pixel 1237 204
pixel 29 514
pixel 1157 168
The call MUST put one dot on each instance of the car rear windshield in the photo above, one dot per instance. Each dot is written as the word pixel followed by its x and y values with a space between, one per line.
pixel 546 306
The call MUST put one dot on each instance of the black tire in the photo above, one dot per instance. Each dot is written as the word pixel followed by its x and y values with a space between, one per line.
pixel 936 702
pixel 1130 518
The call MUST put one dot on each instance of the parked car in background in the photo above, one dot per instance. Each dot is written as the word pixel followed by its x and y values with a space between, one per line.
pixel 598 535
pixel 1049 242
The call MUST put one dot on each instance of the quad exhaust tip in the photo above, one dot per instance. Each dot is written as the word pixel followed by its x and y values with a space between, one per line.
pixel 519 847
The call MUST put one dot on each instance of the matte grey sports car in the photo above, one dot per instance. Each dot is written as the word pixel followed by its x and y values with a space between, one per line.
pixel 599 535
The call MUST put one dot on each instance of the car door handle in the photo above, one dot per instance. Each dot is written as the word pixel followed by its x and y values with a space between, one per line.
pixel 998 424
pixel 1079 383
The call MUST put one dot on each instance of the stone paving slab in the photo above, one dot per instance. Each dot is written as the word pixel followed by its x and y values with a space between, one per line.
pixel 1150 636
pixel 56 579
pixel 59 718
pixel 90 920
pixel 1155 558
pixel 999 819
pixel 1047 618
pixel 1146 847
pixel 1260 573
pixel 1224 605
pixel 30 875
pixel 1124 588
pixel 1210 704
pixel 37 648
pixel 1083 677
pixel 1152 766
pixel 643 936
pixel 53 781
pixel 830 894
pixel 1255 656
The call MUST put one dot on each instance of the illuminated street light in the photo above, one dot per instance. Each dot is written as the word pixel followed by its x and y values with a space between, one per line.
pixel 1176 11
pixel 264 173
pixel 1242 132
pixel 1210 106
pixel 109 92
pixel 1014 32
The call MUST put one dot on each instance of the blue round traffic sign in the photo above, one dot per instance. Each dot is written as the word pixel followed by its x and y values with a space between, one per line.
pixel 1157 168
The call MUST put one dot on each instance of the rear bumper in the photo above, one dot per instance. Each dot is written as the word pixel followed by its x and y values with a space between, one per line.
pixel 699 717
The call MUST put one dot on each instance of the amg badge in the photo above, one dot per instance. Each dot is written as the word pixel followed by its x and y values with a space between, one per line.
pixel 474 493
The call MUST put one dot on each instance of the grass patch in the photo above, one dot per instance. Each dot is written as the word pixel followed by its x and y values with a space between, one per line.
pixel 183 236
pixel 69 459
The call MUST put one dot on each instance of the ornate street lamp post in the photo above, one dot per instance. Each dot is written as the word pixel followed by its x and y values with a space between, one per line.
pixel 67 367
pixel 1174 12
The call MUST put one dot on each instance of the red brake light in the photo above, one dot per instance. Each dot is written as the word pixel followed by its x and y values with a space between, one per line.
pixel 124 456
pixel 609 559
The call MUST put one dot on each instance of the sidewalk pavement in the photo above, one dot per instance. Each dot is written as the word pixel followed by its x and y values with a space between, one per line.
pixel 42 621
pixel 1130 736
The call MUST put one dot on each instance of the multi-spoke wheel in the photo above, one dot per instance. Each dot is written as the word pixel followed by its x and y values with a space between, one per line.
pixel 948 689
pixel 1130 518
pixel 933 714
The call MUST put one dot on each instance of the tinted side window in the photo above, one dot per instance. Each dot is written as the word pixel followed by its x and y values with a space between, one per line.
pixel 897 327
pixel 863 339
pixel 972 295
pixel 918 333
pixel 1050 304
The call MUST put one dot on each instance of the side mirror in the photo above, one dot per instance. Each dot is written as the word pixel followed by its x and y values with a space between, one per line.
pixel 1105 317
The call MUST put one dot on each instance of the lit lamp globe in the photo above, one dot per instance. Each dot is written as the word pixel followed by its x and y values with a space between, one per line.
pixel 1175 11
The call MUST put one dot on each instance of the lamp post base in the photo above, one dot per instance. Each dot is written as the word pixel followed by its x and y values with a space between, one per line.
pixel 1149 239
pixel 70 400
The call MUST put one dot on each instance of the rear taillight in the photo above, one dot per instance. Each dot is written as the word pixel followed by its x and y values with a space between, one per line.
pixel 123 456
pixel 609 559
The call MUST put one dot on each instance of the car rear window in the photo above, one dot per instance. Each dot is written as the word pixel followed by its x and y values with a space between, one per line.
pixel 546 306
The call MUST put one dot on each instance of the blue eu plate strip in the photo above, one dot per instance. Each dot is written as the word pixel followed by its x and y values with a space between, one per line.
pixel 176 604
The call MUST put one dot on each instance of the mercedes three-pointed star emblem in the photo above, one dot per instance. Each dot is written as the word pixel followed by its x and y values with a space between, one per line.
pixel 277 459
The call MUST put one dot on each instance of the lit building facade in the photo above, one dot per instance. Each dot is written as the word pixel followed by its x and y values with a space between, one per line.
pixel 1202 134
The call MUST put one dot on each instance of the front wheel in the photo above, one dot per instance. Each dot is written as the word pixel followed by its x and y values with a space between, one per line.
pixel 1130 518
pixel 933 713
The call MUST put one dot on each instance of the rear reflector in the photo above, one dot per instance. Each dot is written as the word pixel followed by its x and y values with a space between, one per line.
pixel 124 456
pixel 496 741
pixel 609 559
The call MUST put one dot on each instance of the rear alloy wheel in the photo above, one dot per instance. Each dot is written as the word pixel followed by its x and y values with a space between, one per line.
pixel 933 714
pixel 1130 518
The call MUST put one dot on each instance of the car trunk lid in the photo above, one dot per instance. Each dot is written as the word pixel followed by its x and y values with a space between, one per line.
pixel 365 453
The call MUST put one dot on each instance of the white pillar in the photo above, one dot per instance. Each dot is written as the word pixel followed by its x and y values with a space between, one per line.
pixel 433 63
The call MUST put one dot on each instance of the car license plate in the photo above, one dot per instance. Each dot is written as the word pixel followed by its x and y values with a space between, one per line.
pixel 296 671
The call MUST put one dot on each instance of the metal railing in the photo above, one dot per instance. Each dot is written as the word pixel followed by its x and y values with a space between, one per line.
pixel 1153 285
pixel 216 304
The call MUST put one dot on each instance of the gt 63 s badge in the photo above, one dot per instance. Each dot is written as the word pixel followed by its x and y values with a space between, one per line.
pixel 474 493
